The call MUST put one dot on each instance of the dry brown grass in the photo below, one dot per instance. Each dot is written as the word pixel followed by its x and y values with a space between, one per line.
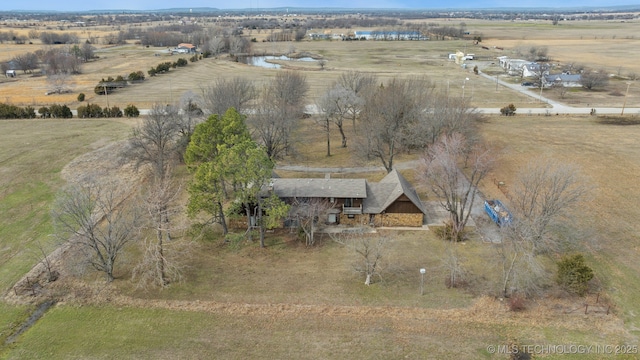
pixel 609 158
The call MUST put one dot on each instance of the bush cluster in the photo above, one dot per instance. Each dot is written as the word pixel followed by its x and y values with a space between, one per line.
pixel 166 66
pixel 95 111
pixel 55 111
pixel 8 111
pixel 508 110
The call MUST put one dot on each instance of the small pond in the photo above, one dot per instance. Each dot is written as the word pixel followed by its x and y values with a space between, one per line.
pixel 264 61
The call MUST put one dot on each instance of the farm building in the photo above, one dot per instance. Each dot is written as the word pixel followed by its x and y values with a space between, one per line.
pixel 388 35
pixel 10 73
pixel 390 202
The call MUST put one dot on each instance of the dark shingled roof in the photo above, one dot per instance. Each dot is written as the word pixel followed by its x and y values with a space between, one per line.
pixel 377 196
pixel 338 188
pixel 388 190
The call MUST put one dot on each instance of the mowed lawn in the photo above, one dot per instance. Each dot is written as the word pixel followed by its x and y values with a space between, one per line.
pixel 32 155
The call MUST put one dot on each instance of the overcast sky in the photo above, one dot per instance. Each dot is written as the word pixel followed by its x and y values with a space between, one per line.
pixel 83 5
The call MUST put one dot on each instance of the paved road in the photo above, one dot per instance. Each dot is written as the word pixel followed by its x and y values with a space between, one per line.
pixel 556 107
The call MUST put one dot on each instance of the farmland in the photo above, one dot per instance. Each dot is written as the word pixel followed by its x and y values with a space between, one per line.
pixel 290 301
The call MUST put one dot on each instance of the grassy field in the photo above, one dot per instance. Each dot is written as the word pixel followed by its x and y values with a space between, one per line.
pixel 289 301
pixel 597 44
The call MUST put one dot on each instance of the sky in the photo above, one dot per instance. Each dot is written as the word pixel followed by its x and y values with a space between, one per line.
pixel 84 5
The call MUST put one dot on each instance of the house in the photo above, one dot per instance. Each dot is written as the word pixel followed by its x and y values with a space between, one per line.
pixel 389 35
pixel 566 80
pixel 390 202
pixel 10 73
pixel 184 48
pixel 534 70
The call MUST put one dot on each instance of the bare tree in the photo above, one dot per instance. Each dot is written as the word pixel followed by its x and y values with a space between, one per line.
pixel 335 105
pixel 158 266
pixel 543 197
pixel 456 189
pixel 59 83
pixel 26 62
pixel 561 89
pixel 87 51
pixel 287 92
pixel 224 94
pixel 189 115
pixel 154 141
pixel 44 259
pixel 542 200
pixel 592 79
pixel 444 115
pixel 289 89
pixel 370 249
pixel 93 218
pixel 239 45
pixel 308 212
pixel 360 84
pixel 389 115
pixel 271 126
pixel 59 60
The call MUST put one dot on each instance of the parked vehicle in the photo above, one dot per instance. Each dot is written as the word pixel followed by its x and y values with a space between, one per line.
pixel 497 212
pixel 527 83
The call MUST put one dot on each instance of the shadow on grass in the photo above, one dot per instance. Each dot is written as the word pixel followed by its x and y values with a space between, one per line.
pixel 618 120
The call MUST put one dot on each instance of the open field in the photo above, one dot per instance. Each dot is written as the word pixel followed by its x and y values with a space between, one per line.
pixel 597 44
pixel 289 301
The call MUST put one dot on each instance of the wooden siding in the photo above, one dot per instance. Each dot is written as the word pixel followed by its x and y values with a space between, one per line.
pixel 403 205
pixel 387 219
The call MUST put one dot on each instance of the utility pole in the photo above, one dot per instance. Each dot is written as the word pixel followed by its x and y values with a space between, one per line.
pixel 624 103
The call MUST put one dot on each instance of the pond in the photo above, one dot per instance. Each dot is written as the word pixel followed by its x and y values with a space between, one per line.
pixel 264 61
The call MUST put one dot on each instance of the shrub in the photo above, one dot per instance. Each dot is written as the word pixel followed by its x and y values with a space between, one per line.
pixel 508 110
pixel 131 111
pixel 517 302
pixel 182 62
pixel 44 112
pixel 60 111
pixel 113 111
pixel 573 274
pixel 81 97
pixel 136 76
pixel 14 112
pixel 446 233
pixel 90 111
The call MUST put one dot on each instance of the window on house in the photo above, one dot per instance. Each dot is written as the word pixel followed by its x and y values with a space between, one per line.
pixel 348 202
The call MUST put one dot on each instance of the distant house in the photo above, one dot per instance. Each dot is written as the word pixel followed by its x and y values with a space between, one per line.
pixel 389 35
pixel 512 66
pixel 534 70
pixel 185 48
pixel 390 202
pixel 10 73
pixel 566 80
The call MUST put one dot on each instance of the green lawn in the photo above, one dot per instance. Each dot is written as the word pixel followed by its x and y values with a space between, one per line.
pixel 32 155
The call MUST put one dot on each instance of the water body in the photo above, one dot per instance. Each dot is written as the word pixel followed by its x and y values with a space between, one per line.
pixel 264 61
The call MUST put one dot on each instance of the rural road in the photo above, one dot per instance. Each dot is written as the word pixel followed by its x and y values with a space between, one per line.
pixel 557 108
